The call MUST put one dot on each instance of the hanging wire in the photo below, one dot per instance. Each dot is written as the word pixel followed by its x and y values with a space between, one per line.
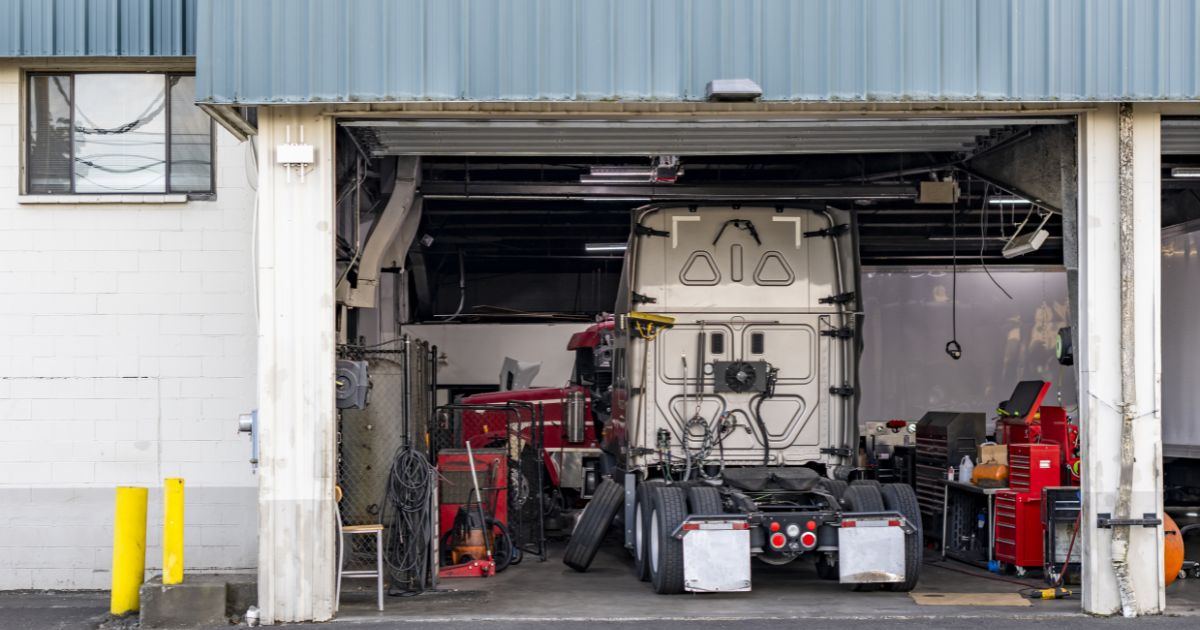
pixel 983 222
pixel 953 348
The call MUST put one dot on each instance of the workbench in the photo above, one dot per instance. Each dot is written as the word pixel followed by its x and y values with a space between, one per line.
pixel 963 536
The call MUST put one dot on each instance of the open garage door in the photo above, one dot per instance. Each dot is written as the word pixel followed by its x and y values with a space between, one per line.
pixel 673 137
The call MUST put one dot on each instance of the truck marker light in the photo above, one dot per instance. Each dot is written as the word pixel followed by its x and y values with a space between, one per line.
pixel 893 523
pixel 778 541
pixel 808 539
pixel 811 525
pixel 775 526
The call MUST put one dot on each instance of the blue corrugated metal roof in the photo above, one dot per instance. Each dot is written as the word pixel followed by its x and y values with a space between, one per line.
pixel 97 28
pixel 270 51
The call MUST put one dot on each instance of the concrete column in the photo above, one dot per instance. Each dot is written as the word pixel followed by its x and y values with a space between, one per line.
pixel 1119 330
pixel 296 416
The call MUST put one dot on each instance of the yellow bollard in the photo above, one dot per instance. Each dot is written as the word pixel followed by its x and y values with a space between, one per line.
pixel 129 549
pixel 172 541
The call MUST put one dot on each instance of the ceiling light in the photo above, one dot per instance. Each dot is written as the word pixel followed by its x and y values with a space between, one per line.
pixel 1008 201
pixel 1021 244
pixel 732 90
pixel 604 247
pixel 1186 172
pixel 595 179
pixel 663 169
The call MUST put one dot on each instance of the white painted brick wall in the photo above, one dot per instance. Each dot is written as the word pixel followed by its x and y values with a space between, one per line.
pixel 127 349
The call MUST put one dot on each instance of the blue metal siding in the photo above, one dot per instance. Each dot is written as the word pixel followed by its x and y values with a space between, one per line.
pixel 97 28
pixel 271 51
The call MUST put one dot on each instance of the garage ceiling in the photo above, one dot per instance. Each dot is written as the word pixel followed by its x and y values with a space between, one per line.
pixel 667 137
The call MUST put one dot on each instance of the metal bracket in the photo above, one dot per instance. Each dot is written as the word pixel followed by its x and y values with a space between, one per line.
pixel 1104 520
pixel 840 451
pixel 844 390
pixel 833 230
pixel 638 298
pixel 844 332
pixel 642 230
pixel 840 298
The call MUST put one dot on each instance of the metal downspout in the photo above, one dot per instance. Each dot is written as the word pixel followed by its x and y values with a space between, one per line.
pixel 1120 533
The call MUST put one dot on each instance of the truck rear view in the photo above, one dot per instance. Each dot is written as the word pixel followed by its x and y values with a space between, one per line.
pixel 734 400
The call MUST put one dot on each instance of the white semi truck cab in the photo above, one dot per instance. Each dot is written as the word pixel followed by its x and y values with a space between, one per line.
pixel 734 405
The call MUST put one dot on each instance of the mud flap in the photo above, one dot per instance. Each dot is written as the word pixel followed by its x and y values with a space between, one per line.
pixel 871 549
pixel 716 554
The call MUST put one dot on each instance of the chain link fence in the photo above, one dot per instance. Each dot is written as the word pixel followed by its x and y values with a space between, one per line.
pixel 399 405
pixel 514 429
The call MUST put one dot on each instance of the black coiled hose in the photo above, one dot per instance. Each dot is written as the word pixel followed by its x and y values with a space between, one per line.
pixel 406 508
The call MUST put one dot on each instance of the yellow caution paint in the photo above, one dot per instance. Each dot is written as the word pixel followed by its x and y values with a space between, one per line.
pixel 172 541
pixel 129 550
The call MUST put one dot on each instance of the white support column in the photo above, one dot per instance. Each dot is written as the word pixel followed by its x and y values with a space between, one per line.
pixel 1101 342
pixel 296 416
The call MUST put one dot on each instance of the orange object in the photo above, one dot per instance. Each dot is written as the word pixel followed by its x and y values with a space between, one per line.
pixel 990 475
pixel 1172 549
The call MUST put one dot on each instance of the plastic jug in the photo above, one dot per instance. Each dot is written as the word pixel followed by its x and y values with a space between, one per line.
pixel 965 469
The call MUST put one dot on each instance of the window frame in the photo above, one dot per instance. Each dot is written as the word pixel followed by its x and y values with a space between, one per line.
pixel 198 195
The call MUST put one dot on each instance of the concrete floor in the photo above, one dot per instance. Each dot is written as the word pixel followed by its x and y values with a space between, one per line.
pixel 551 591
pixel 536 596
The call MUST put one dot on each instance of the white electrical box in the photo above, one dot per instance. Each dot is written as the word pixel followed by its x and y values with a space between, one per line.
pixel 294 154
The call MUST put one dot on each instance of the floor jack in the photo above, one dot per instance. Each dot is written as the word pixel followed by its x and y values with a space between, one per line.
pixel 470 540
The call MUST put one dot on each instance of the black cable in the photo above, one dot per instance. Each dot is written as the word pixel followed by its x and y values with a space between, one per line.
pixel 983 221
pixel 953 348
pixel 762 428
pixel 406 508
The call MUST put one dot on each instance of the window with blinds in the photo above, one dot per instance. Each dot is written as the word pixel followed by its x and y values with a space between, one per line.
pixel 99 133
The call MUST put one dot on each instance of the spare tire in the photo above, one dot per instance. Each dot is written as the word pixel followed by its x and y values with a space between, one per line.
pixel 901 498
pixel 593 525
pixel 704 501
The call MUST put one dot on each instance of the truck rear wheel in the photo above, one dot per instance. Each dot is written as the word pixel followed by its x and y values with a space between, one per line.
pixel 901 498
pixel 593 525
pixel 668 510
pixel 641 528
pixel 863 498
pixel 704 500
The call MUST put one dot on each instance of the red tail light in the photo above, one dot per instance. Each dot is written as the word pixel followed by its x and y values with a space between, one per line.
pixel 808 539
pixel 778 540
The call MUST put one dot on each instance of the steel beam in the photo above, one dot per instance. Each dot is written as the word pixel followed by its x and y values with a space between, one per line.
pixel 648 191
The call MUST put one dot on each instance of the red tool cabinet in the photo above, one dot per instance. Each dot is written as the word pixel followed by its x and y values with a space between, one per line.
pixel 1019 532
pixel 1032 467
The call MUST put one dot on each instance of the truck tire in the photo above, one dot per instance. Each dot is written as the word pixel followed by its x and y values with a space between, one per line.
pixel 901 498
pixel 593 525
pixel 641 528
pixel 668 511
pixel 866 482
pixel 837 488
pixel 863 498
pixel 704 500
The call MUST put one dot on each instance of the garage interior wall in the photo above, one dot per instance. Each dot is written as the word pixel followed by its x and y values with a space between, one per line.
pixel 126 353
pixel 907 323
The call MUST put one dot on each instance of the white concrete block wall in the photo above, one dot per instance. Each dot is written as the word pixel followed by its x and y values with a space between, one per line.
pixel 127 350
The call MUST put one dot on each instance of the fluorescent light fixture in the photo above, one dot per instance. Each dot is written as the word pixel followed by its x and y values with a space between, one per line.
pixel 1186 172
pixel 1008 201
pixel 616 172
pixel 604 247
pixel 1021 244
pixel 594 179
pixel 732 90
pixel 1025 243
